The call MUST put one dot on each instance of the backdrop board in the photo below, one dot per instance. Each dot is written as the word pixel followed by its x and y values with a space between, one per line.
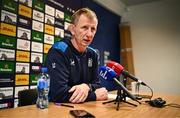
pixel 28 29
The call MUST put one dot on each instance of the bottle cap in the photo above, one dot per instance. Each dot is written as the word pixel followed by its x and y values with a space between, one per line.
pixel 44 69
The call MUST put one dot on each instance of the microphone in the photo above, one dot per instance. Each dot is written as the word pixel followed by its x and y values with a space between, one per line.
pixel 119 69
pixel 109 74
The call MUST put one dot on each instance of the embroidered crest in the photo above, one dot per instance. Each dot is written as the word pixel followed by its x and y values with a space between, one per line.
pixel 90 62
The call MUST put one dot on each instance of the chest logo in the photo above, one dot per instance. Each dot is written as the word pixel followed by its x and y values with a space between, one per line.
pixel 90 62
pixel 72 62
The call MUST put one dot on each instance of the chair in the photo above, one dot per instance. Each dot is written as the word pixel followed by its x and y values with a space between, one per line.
pixel 27 97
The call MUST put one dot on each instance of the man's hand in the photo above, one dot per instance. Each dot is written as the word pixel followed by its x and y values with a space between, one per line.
pixel 101 94
pixel 80 93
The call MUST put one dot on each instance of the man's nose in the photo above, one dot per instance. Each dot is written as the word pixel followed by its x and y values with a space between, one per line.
pixel 89 33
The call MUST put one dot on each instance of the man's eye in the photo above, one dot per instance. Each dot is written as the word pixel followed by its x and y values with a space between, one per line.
pixel 93 29
pixel 85 27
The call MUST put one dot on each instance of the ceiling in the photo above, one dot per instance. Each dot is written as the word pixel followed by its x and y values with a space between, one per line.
pixel 136 2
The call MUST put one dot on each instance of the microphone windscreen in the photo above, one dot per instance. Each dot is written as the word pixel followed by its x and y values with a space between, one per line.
pixel 107 73
pixel 109 85
pixel 115 66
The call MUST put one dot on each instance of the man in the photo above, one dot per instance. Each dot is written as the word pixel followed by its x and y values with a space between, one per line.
pixel 73 66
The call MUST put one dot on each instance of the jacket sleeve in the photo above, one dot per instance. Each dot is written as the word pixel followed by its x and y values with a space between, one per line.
pixel 59 75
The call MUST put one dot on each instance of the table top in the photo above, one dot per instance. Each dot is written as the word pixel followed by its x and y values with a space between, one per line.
pixel 99 110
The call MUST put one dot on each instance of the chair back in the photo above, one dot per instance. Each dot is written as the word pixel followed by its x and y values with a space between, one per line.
pixel 27 97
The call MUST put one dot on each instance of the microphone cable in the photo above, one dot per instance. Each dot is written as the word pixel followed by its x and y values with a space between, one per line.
pixel 162 105
pixel 147 96
pixel 173 105
pixel 151 92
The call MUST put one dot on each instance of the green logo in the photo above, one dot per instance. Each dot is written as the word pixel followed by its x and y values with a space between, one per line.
pixel 7 42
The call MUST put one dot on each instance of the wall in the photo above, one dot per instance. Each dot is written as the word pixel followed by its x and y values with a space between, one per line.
pixel 155 31
pixel 116 6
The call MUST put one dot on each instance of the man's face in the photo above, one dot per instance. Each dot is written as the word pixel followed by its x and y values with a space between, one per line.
pixel 84 31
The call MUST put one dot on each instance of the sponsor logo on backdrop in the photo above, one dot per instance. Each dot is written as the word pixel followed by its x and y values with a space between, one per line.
pixel 22 80
pixel 17 89
pixel 67 35
pixel 8 104
pixel 38 26
pixel 7 42
pixel 9 5
pixel 6 93
pixel 22 56
pixel 48 39
pixel 24 21
pixel 26 2
pixel 59 14
pixel 4 105
pixel 37 36
pixel 36 68
pixel 33 87
pixel 16 101
pixel 49 29
pixel 23 44
pixel 49 10
pixel 49 20
pixel 6 67
pixel 106 56
pixel 37 47
pixel 7 29
pixel 56 39
pixel 67 17
pixel 38 15
pixel 44 57
pixel 7 54
pixel 6 78
pixel 39 5
pixel 46 48
pixel 33 79
pixel 57 3
pixel 59 23
pixel 22 67
pixel 24 33
pixel 59 32
pixel 25 11
pixel 8 17
pixel 36 57
pixel 66 25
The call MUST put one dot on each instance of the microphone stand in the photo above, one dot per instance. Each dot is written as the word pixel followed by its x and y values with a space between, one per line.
pixel 121 96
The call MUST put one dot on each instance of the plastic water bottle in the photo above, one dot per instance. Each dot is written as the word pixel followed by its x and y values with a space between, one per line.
pixel 43 89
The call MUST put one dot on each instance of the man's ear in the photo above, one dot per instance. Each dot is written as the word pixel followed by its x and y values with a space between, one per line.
pixel 71 28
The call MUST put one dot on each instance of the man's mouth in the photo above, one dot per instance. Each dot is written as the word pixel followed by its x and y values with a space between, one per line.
pixel 87 40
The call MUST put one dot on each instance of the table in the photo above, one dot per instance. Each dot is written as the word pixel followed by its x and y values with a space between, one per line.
pixel 99 110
